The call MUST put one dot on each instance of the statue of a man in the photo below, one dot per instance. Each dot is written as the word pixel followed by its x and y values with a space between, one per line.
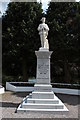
pixel 43 32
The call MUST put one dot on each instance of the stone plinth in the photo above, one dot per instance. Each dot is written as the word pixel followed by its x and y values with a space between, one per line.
pixel 43 67
pixel 42 98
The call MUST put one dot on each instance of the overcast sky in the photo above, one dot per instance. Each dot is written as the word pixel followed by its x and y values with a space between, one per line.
pixel 3 5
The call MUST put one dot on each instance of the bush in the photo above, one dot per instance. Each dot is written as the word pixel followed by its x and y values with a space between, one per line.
pixel 11 79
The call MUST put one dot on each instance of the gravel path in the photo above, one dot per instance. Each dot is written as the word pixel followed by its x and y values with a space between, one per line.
pixel 11 100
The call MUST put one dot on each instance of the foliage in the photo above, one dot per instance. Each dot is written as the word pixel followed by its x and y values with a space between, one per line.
pixel 7 78
pixel 19 35
pixel 64 23
pixel 21 39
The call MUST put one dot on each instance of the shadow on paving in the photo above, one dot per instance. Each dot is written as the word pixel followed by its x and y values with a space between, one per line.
pixel 21 94
pixel 8 104
pixel 69 99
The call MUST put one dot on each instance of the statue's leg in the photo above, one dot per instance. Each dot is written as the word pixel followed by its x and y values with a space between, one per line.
pixel 46 44
pixel 42 42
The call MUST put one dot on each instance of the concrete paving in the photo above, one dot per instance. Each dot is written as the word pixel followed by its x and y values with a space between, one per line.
pixel 9 102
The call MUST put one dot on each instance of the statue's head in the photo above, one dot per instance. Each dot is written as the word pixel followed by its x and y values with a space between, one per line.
pixel 43 19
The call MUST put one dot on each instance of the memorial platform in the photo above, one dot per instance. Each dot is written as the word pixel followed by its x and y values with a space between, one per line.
pixel 42 98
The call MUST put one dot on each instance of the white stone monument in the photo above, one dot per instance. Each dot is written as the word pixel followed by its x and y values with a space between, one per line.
pixel 42 98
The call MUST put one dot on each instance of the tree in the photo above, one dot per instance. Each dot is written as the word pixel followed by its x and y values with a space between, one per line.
pixel 64 23
pixel 20 38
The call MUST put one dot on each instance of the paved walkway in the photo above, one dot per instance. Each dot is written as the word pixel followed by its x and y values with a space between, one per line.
pixel 11 100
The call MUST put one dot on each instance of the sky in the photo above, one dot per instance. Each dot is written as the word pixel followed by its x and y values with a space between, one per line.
pixel 3 5
pixel 45 4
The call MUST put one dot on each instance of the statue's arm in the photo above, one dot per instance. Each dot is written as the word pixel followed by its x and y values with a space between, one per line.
pixel 46 27
pixel 39 28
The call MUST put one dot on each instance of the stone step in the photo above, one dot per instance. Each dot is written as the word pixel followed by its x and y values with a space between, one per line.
pixel 42 106
pixel 25 106
pixel 43 101
pixel 42 95
pixel 54 111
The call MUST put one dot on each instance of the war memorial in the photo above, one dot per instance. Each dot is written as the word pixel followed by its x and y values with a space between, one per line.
pixel 42 98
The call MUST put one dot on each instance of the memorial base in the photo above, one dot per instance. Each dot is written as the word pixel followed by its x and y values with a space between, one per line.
pixel 41 103
pixel 42 98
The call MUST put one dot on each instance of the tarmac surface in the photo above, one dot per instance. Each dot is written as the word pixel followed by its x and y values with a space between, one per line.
pixel 9 102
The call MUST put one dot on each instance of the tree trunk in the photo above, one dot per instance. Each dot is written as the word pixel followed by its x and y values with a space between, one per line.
pixel 67 75
pixel 24 70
